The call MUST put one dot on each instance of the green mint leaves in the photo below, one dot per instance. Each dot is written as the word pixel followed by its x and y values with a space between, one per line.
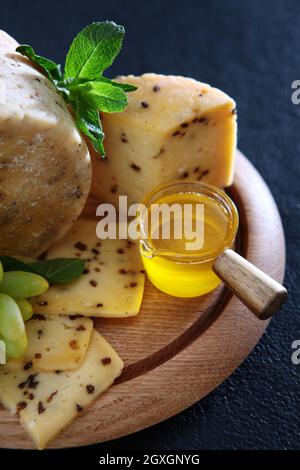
pixel 49 68
pixel 93 50
pixel 82 85
pixel 89 123
pixel 104 96
pixel 56 271
pixel 59 270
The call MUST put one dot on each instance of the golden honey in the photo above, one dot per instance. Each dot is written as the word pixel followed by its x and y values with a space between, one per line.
pixel 176 263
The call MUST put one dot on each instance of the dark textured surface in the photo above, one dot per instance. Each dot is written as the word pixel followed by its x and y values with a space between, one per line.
pixel 251 49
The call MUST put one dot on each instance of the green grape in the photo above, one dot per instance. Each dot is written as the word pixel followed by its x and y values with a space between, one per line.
pixel 2 352
pixel 25 308
pixel 20 284
pixel 1 271
pixel 11 321
pixel 15 349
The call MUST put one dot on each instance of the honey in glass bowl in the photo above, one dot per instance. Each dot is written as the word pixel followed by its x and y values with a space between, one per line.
pixel 177 265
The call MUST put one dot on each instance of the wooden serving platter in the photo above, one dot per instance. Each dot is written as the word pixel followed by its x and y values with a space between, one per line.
pixel 178 350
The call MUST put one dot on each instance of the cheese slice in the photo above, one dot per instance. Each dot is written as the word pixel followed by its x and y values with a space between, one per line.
pixel 45 168
pixel 55 343
pixel 47 402
pixel 173 128
pixel 113 282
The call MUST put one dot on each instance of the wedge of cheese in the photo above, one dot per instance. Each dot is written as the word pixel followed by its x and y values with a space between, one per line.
pixel 45 170
pixel 55 343
pixel 47 402
pixel 112 284
pixel 174 127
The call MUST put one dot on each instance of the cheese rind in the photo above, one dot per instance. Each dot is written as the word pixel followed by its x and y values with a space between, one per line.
pixel 45 169
pixel 112 284
pixel 173 127
pixel 56 343
pixel 47 402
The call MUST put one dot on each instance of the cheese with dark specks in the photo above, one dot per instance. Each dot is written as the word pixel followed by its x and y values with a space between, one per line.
pixel 47 402
pixel 55 342
pixel 112 284
pixel 173 128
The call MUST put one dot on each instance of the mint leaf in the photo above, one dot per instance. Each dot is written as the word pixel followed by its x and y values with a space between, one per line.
pixel 73 83
pixel 125 86
pixel 103 96
pixel 50 68
pixel 89 123
pixel 93 50
pixel 13 264
pixel 60 270
pixel 56 271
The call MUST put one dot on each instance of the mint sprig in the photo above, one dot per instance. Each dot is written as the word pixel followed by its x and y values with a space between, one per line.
pixel 82 84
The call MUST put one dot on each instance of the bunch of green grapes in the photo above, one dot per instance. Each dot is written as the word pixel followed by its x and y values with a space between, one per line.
pixel 15 309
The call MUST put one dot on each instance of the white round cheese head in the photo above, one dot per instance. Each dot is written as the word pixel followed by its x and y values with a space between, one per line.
pixel 45 170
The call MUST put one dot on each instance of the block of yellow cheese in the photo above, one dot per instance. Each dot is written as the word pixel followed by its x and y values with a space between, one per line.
pixel 45 170
pixel 47 402
pixel 173 128
pixel 55 342
pixel 112 284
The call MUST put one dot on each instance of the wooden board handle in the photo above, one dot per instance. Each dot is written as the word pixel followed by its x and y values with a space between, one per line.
pixel 258 291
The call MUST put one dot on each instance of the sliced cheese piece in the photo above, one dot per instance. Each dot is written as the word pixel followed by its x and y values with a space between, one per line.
pixel 55 342
pixel 173 127
pixel 47 402
pixel 45 169
pixel 113 282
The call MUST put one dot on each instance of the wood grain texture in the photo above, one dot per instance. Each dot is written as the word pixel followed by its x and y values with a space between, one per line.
pixel 178 350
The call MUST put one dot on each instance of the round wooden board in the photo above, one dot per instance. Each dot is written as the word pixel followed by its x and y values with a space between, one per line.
pixel 178 350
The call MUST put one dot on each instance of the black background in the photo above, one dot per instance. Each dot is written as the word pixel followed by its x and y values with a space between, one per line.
pixel 251 50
